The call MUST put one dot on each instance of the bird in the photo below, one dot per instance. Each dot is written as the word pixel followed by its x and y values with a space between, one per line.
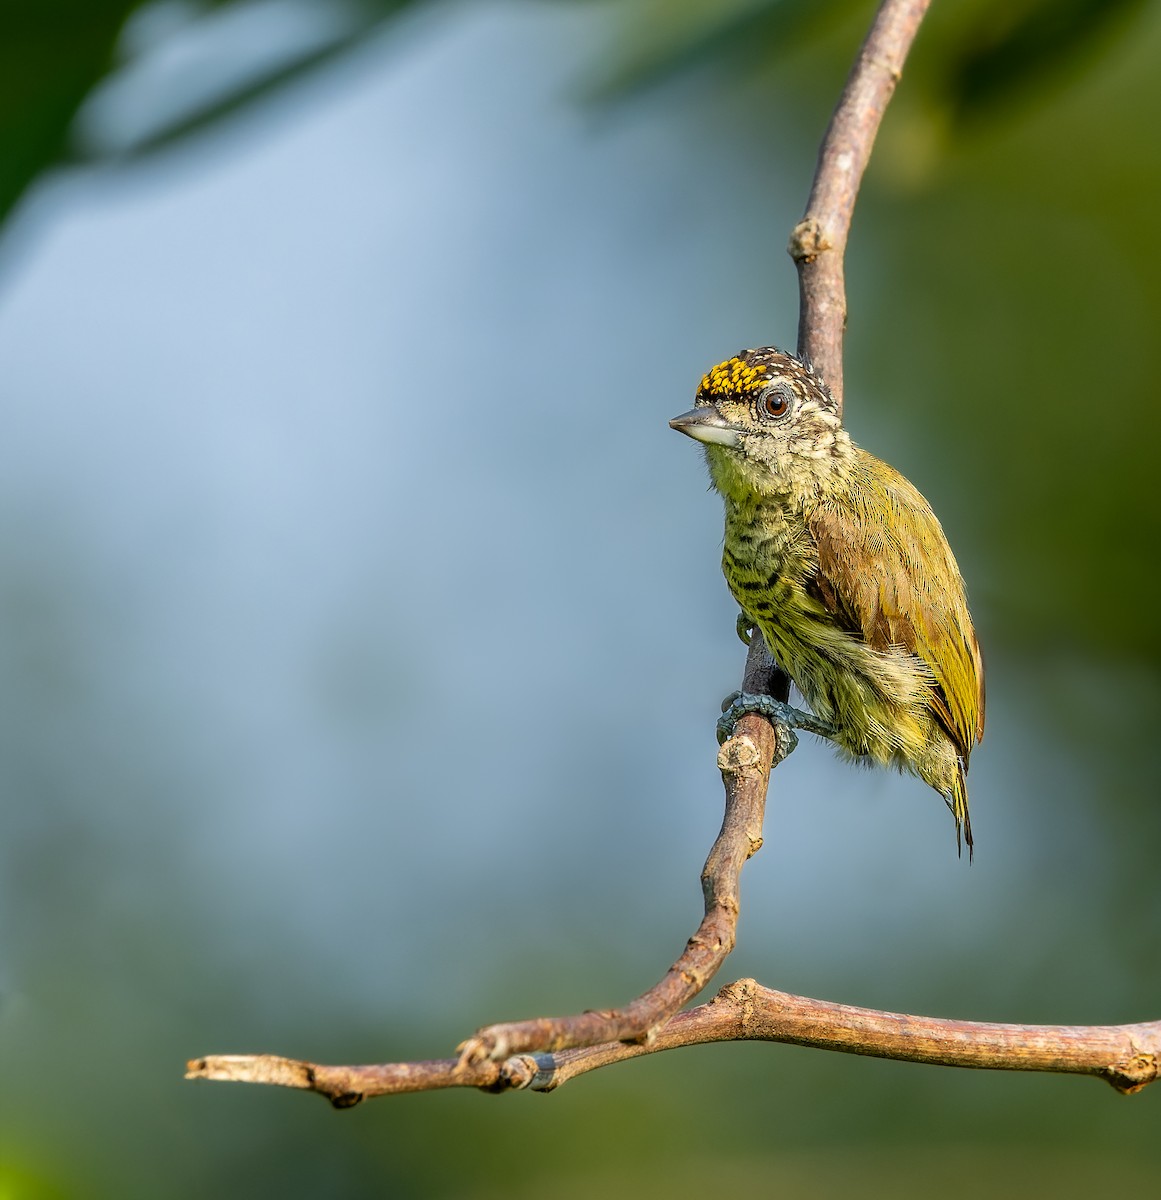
pixel 843 567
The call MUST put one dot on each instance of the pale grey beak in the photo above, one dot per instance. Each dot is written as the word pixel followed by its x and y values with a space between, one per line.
pixel 707 425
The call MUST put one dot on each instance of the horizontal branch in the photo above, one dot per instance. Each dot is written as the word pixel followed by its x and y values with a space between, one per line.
pixel 1126 1056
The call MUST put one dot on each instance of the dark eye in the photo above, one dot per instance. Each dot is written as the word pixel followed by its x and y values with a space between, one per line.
pixel 776 402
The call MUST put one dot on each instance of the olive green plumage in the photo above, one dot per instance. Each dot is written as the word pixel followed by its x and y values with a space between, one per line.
pixel 842 565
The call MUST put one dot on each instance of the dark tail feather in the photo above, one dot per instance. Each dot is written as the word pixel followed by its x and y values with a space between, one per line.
pixel 958 803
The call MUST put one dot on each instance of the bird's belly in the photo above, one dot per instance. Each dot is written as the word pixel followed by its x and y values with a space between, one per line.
pixel 876 699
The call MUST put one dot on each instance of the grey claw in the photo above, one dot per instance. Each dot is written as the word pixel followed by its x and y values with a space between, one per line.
pixel 784 718
pixel 778 714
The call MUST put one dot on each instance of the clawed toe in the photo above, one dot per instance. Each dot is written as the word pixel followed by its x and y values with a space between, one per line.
pixel 780 714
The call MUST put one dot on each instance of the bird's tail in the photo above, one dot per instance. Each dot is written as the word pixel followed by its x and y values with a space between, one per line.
pixel 958 803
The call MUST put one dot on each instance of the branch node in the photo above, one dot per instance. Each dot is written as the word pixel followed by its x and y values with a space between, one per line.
pixel 1133 1074
pixel 808 241
pixel 515 1074
pixel 888 67
pixel 738 753
pixel 741 994
pixel 488 1045
pixel 741 991
pixel 649 1037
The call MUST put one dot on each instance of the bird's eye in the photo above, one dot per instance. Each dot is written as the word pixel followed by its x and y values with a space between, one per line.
pixel 776 402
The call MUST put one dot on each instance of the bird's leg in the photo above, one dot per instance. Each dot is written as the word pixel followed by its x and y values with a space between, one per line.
pixel 780 714
pixel 745 628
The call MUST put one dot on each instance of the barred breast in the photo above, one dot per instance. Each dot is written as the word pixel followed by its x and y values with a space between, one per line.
pixel 875 699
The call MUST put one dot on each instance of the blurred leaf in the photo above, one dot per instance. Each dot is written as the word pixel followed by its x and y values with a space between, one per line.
pixel 665 48
pixel 55 54
pixel 200 118
pixel 52 54
pixel 991 55
pixel 1013 50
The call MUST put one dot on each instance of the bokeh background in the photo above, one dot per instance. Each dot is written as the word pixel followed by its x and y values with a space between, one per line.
pixel 361 626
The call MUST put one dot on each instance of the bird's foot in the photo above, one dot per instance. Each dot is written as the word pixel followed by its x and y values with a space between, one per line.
pixel 745 628
pixel 785 718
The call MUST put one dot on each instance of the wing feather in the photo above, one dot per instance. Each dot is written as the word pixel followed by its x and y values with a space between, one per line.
pixel 886 572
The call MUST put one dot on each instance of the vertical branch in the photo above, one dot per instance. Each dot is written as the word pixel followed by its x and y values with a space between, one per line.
pixel 817 245
pixel 819 240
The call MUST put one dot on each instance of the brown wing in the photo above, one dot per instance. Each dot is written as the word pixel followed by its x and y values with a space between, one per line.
pixel 886 572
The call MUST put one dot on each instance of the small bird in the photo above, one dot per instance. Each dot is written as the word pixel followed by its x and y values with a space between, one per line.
pixel 843 567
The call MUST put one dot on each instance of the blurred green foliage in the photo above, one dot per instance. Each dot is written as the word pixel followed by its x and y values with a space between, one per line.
pixel 55 54
pixel 52 55
pixel 982 56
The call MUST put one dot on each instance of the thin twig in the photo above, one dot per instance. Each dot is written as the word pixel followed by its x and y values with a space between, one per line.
pixel 819 240
pixel 1127 1056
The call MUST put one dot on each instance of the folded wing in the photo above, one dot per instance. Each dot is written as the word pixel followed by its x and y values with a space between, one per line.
pixel 886 573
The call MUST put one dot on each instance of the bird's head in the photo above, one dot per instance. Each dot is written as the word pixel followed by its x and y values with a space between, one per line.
pixel 769 424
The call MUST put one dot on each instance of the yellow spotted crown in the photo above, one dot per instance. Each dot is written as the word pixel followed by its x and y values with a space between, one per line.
pixel 735 379
pixel 744 377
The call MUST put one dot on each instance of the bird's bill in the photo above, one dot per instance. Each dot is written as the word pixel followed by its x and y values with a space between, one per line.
pixel 707 425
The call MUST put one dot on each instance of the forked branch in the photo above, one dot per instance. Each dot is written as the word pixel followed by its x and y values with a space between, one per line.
pixel 745 762
pixel 1127 1056
pixel 543 1053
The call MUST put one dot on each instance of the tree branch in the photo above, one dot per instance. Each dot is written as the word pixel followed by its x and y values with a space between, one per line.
pixel 497 1058
pixel 819 240
pixel 745 762
pixel 1127 1056
pixel 817 246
